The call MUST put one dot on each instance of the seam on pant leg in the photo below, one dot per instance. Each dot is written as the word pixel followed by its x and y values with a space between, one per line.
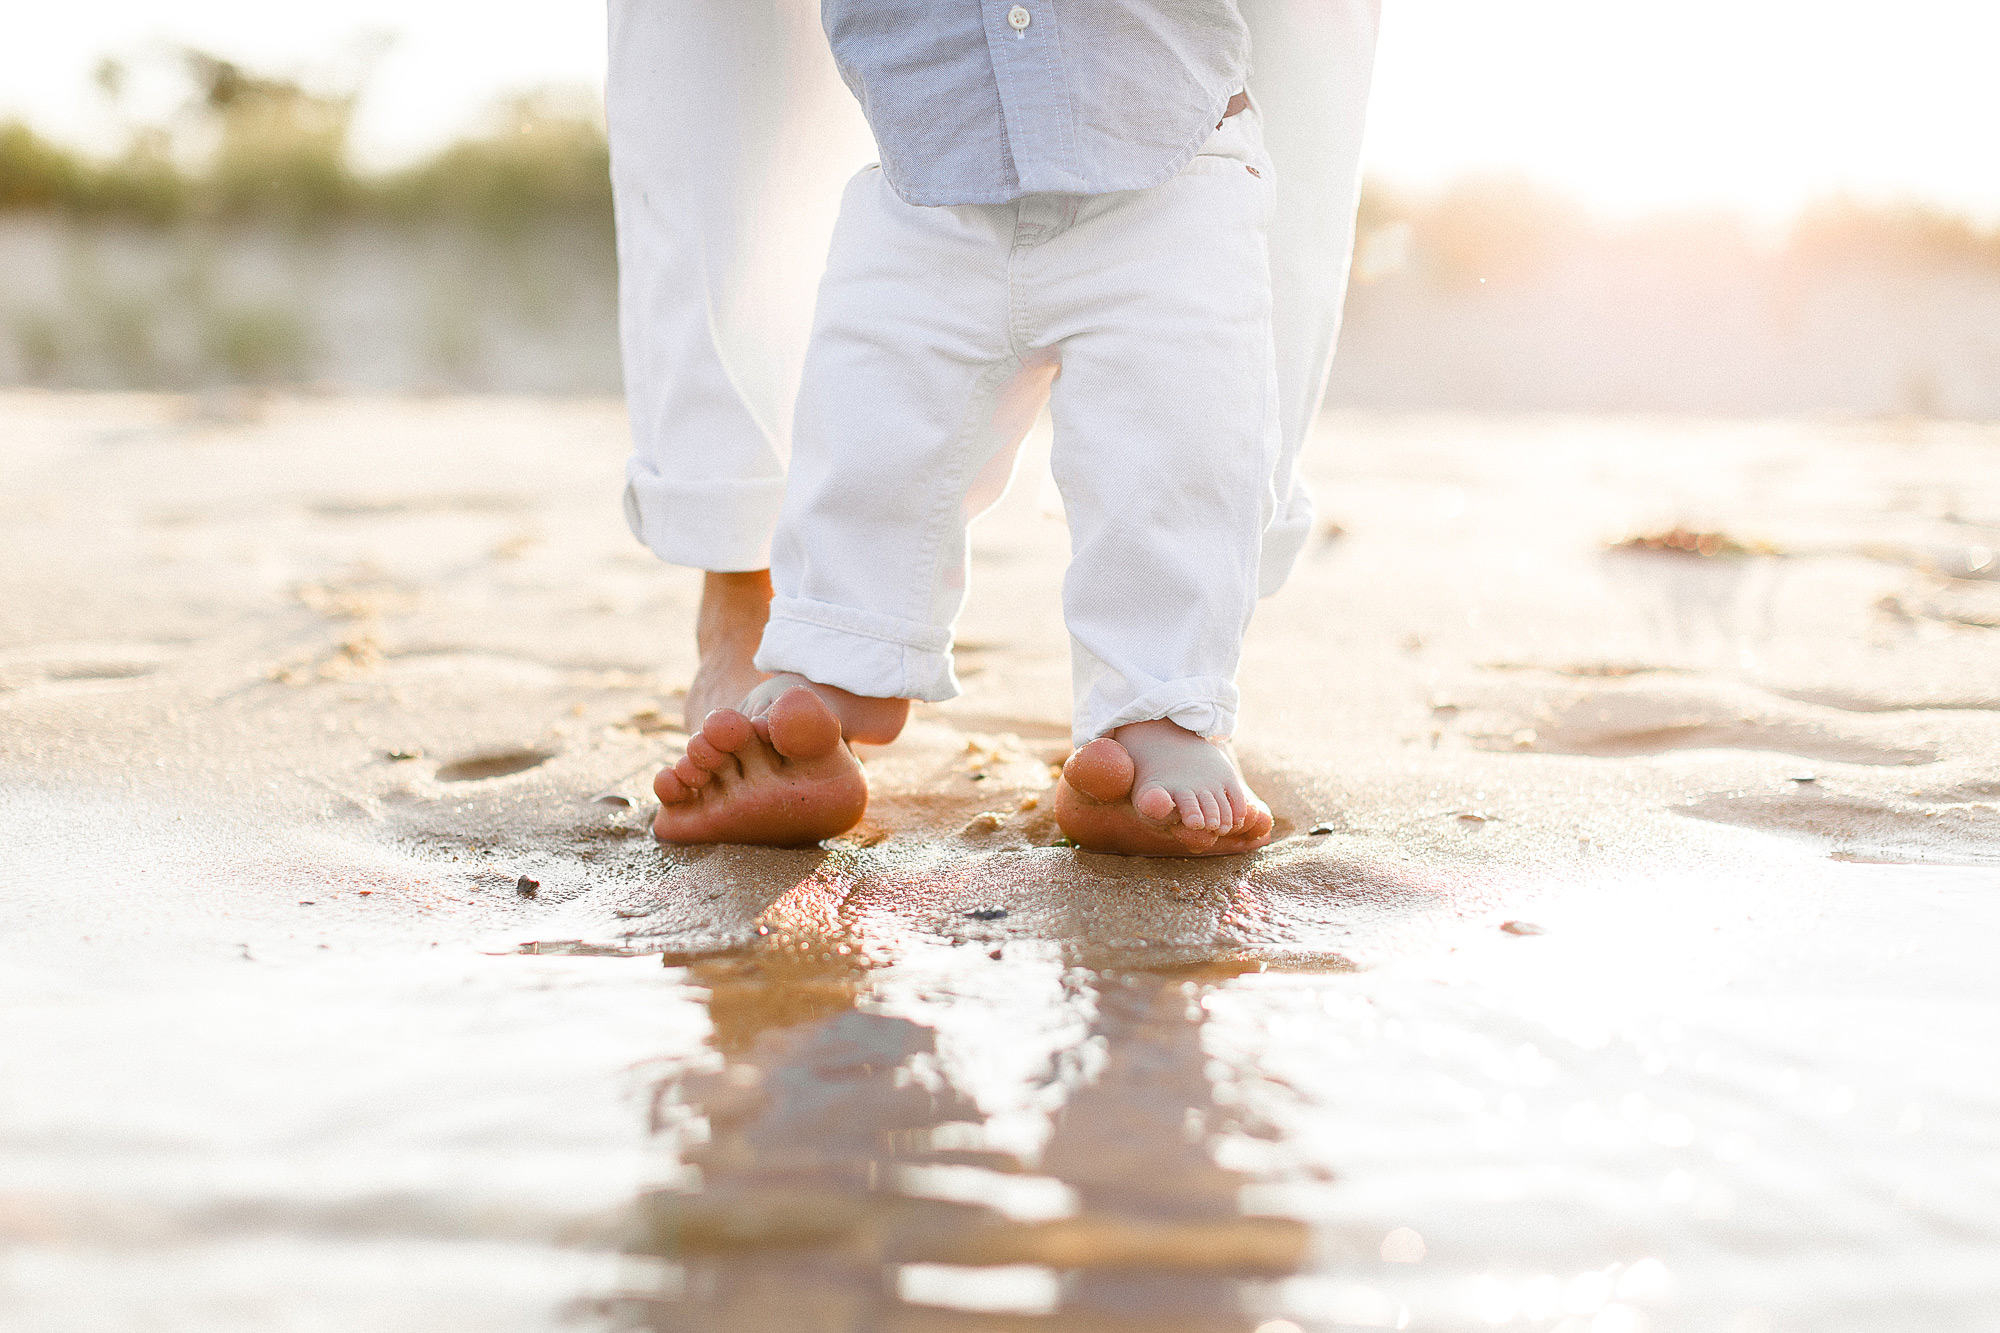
pixel 1014 339
pixel 948 504
pixel 1018 337
pixel 1288 525
pixel 1284 541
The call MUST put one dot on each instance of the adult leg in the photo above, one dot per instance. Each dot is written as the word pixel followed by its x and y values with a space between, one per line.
pixel 730 135
pixel 1314 59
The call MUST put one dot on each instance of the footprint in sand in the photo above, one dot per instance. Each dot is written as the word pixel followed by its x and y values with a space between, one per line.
pixel 79 664
pixel 1848 701
pixel 1953 602
pixel 1954 825
pixel 492 764
pixel 1653 714
pixel 398 506
pixel 1698 603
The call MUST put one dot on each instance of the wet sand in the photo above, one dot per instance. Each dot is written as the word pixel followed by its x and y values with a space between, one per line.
pixel 1622 963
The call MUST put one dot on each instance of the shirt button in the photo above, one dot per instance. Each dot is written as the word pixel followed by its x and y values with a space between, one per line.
pixel 1019 18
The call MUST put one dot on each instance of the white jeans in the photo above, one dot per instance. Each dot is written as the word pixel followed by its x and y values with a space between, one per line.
pixel 731 135
pixel 937 336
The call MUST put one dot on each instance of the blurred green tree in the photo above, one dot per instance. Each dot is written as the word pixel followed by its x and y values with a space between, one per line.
pixel 280 150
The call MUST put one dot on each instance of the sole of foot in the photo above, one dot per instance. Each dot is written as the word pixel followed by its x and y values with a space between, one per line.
pixel 790 787
pixel 1094 809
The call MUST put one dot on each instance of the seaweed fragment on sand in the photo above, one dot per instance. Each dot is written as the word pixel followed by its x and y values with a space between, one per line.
pixel 1678 540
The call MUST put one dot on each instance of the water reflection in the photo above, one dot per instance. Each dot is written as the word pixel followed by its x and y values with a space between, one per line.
pixel 842 1172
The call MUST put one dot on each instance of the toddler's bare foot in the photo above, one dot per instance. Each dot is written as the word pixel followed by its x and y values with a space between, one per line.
pixel 727 630
pixel 775 771
pixel 1157 789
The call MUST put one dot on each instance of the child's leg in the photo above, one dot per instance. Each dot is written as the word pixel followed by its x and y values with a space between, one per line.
pixel 1167 433
pixel 912 404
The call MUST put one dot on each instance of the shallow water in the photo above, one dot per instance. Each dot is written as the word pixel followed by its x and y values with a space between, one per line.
pixel 1521 1133
pixel 1623 963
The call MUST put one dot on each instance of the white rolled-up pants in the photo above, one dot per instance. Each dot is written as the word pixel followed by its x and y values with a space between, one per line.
pixel 1143 318
pixel 731 136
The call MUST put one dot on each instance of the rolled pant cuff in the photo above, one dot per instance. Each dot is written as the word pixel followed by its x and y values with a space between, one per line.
pixel 1283 543
pixel 724 526
pixel 882 657
pixel 1205 705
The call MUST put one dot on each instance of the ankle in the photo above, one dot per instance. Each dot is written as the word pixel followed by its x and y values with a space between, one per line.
pixel 734 606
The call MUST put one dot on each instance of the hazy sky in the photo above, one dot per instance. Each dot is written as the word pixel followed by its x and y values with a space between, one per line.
pixel 1755 104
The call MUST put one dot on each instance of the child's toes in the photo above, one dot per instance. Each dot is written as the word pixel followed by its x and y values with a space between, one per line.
pixel 1154 802
pixel 1101 770
pixel 1189 804
pixel 1194 839
pixel 1213 812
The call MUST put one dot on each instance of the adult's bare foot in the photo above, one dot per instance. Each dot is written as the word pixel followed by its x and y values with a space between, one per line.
pixel 776 770
pixel 862 718
pixel 1157 789
pixel 727 630
pixel 785 779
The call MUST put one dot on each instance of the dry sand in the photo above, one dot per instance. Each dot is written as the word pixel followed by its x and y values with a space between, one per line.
pixel 1623 962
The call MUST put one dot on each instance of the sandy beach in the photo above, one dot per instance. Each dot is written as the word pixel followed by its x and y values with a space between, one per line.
pixel 1623 962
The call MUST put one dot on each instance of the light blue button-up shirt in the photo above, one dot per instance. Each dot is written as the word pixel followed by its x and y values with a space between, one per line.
pixel 983 101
